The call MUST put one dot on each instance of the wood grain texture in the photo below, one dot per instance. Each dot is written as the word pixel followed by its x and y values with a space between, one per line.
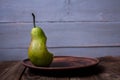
pixel 17 35
pixel 67 23
pixel 107 69
pixel 110 73
pixel 76 39
pixel 4 66
pixel 93 10
pixel 13 73
pixel 63 10
pixel 20 54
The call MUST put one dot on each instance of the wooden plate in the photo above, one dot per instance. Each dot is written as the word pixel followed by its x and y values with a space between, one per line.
pixel 65 63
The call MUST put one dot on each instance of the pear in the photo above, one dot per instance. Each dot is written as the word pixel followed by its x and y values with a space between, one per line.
pixel 37 51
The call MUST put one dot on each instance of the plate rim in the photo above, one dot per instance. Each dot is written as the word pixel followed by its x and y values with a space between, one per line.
pixel 62 68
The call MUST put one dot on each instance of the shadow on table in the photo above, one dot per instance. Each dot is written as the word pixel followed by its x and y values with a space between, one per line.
pixel 94 70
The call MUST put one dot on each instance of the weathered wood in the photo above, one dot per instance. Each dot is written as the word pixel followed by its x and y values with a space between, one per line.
pixel 4 66
pixel 62 10
pixel 20 54
pixel 17 35
pixel 13 72
pixel 84 36
pixel 80 23
pixel 93 10
pixel 107 69
pixel 111 68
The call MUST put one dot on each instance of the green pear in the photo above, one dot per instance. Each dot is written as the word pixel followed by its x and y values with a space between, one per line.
pixel 37 51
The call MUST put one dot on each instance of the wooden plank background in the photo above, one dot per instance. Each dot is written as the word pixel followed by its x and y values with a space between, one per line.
pixel 73 27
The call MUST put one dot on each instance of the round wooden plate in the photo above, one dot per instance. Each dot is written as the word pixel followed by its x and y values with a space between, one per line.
pixel 65 63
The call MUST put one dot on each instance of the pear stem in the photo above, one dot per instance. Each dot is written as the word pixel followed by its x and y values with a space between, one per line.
pixel 33 20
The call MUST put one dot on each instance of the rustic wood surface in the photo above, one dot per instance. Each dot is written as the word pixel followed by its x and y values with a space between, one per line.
pixel 107 69
pixel 68 23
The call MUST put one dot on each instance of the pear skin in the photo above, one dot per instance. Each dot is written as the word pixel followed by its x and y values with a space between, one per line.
pixel 37 51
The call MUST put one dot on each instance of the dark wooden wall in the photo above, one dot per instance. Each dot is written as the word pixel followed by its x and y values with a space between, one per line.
pixel 73 27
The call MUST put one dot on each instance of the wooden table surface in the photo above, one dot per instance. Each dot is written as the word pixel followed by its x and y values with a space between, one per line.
pixel 107 69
